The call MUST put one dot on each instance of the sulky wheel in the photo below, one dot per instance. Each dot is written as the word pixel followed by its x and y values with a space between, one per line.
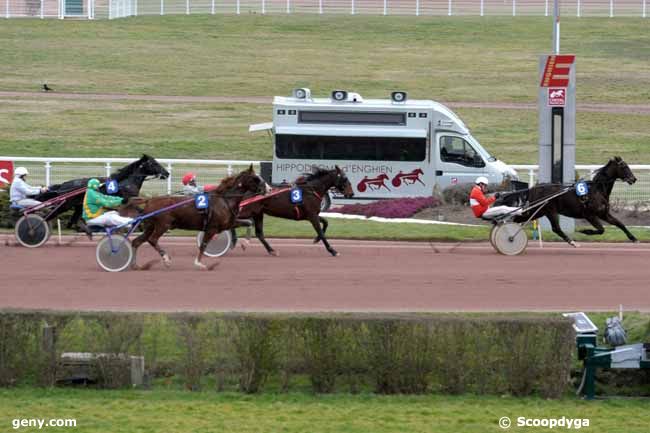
pixel 32 231
pixel 493 232
pixel 218 245
pixel 510 239
pixel 114 254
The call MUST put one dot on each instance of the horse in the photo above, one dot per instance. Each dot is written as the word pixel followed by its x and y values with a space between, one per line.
pixel 221 214
pixel 314 187
pixel 130 179
pixel 592 207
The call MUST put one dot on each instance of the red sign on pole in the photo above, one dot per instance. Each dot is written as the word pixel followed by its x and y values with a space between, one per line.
pixel 556 71
pixel 6 173
pixel 556 97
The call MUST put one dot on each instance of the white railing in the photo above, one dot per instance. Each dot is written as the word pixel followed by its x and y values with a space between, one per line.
pixel 124 8
pixel 48 171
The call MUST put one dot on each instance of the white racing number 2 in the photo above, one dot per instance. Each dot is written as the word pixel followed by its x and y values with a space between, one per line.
pixel 201 201
pixel 296 196
pixel 582 189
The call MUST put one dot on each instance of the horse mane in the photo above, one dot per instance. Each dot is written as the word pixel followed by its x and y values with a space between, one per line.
pixel 128 169
pixel 225 185
pixel 315 175
pixel 600 173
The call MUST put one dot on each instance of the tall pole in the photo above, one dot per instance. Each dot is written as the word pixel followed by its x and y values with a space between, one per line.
pixel 556 27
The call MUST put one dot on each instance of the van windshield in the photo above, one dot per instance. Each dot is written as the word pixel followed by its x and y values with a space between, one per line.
pixel 482 150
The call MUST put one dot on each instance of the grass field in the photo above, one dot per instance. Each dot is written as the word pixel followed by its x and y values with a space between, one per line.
pixel 178 411
pixel 460 59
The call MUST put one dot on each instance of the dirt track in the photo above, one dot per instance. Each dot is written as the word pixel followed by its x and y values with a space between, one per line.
pixel 368 276
pixel 586 107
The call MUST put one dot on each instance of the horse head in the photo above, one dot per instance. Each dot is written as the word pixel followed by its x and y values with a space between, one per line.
pixel 148 166
pixel 622 170
pixel 250 182
pixel 342 183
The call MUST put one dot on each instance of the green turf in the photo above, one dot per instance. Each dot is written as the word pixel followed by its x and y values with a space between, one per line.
pixel 220 131
pixel 178 411
pixel 490 59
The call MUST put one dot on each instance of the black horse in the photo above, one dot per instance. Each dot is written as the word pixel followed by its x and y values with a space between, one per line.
pixel 130 179
pixel 592 207
pixel 314 186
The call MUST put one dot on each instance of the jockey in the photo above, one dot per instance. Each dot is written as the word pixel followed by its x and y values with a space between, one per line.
pixel 481 204
pixel 21 190
pixel 95 205
pixel 190 187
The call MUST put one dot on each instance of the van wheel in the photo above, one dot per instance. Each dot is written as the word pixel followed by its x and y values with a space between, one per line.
pixel 325 203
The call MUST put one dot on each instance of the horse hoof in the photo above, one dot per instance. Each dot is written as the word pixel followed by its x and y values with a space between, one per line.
pixel 334 254
pixel 274 253
pixel 213 265
pixel 574 245
pixel 636 241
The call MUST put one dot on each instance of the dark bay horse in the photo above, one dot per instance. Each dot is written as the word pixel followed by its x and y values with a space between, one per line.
pixel 593 207
pixel 130 179
pixel 314 186
pixel 220 215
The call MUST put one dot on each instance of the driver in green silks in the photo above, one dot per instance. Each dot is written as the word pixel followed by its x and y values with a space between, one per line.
pixel 96 205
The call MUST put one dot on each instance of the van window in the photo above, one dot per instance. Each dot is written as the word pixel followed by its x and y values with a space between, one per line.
pixel 350 148
pixel 458 151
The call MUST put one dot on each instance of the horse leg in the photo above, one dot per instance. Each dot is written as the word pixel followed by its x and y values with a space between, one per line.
pixel 248 223
pixel 325 224
pixel 157 232
pixel 315 222
pixel 209 233
pixel 75 217
pixel 615 222
pixel 137 242
pixel 259 232
pixel 594 221
pixel 554 218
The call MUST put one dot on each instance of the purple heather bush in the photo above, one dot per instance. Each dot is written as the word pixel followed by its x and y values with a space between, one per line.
pixel 392 208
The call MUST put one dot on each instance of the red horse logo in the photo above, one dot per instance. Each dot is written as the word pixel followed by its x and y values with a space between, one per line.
pixel 408 178
pixel 374 183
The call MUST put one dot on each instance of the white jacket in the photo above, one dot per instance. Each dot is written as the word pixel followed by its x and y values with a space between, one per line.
pixel 190 190
pixel 20 190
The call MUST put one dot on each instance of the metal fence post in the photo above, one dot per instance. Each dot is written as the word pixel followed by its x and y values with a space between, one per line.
pixel 135 12
pixel 546 8
pixel 169 178
pixel 531 177
pixel 263 7
pixel 110 9
pixel 514 8
pixel 643 14
pixel 162 7
pixel 449 8
pixel 320 7
pixel 187 7
pixel 238 7
pixel 578 9
pixel 48 174
pixel 482 7
pixel 417 8
pixel 212 8
pixel 7 9
pixel 107 166
pixel 611 8
pixel 352 7
pixel 385 7
pixel 229 170
pixel 42 16
pixel 288 6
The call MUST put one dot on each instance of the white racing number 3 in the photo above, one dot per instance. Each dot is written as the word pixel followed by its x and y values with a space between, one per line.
pixel 296 196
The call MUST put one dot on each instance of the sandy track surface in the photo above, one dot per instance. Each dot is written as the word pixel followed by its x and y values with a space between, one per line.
pixel 368 276
pixel 604 108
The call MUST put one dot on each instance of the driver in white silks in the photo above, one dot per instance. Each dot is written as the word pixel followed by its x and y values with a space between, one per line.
pixel 20 190
pixel 96 205
pixel 190 186
pixel 480 204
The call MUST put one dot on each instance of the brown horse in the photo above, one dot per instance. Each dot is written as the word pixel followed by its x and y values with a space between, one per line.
pixel 221 213
pixel 314 187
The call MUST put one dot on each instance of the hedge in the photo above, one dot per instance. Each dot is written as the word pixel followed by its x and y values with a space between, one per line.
pixel 384 353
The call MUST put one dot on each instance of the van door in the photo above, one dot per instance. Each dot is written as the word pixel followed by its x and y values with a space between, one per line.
pixel 456 160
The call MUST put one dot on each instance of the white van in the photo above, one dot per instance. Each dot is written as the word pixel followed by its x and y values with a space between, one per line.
pixel 387 147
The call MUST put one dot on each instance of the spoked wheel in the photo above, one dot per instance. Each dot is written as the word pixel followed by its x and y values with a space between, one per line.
pixel 510 239
pixel 218 245
pixel 32 231
pixel 493 232
pixel 114 254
